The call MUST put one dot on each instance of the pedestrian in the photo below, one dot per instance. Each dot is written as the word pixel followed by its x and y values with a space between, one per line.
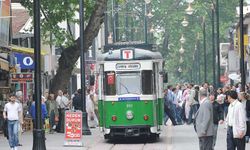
pixel 204 121
pixel 53 114
pixel 63 104
pixel 168 108
pixel 194 102
pixel 33 111
pixel 226 90
pixel 77 104
pixel 218 115
pixel 11 113
pixel 90 108
pixel 60 110
pixel 186 95
pixel 19 100
pixel 236 123
pixel 244 98
pixel 179 110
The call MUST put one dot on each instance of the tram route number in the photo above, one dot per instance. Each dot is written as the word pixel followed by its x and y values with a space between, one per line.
pixel 129 105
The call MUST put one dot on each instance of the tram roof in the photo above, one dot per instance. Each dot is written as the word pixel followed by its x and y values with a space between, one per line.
pixel 139 54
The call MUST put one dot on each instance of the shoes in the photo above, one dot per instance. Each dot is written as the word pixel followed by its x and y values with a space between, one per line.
pixel 15 148
pixel 19 144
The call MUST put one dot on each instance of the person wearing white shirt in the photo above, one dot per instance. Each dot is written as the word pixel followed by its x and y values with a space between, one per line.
pixel 236 123
pixel 11 112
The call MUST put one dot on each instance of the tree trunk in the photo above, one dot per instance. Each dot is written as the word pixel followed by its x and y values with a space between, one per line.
pixel 71 54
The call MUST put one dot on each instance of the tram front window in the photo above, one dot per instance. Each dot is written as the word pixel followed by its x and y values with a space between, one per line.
pixel 128 83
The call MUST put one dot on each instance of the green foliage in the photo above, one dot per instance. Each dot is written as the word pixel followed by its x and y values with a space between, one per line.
pixel 55 12
pixel 168 14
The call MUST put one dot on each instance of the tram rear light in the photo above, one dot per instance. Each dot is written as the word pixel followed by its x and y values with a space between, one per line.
pixel 146 117
pixel 114 118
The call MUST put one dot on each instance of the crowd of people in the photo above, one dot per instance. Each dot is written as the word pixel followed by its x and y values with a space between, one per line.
pixel 201 105
pixel 53 109
pixel 206 107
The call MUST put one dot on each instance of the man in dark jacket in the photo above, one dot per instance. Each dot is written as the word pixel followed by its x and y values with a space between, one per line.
pixel 168 108
pixel 77 100
pixel 218 115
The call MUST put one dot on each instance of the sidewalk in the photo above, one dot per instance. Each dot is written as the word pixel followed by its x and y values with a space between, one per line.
pixel 54 141
pixel 172 138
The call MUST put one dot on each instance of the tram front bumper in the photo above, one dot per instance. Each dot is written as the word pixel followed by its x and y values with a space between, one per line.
pixel 129 131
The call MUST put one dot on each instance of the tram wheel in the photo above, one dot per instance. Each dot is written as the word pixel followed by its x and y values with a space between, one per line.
pixel 154 137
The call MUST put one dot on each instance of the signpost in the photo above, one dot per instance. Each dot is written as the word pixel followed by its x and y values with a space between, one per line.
pixel 73 128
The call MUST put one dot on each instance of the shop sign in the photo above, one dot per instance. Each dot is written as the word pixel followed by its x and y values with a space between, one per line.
pixel 73 128
pixel 25 61
pixel 21 77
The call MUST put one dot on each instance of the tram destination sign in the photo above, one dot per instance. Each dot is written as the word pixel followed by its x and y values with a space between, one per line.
pixel 130 66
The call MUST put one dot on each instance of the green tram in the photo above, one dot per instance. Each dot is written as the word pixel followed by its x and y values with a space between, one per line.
pixel 130 86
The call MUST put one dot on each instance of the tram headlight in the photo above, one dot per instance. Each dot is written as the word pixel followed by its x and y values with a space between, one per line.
pixel 129 115
pixel 145 117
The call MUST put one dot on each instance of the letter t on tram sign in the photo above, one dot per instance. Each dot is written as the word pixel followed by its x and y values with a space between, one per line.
pixel 127 54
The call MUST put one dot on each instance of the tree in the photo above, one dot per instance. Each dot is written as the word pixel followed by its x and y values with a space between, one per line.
pixel 168 14
pixel 58 11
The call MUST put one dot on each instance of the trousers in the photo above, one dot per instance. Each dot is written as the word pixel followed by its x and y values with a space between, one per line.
pixel 233 143
pixel 206 143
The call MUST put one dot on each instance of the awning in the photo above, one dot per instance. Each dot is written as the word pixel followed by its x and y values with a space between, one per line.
pixel 26 50
pixel 4 64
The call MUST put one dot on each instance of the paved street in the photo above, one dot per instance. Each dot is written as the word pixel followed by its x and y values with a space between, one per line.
pixel 173 138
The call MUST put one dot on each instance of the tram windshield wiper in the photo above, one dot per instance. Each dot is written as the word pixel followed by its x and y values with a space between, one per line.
pixel 126 88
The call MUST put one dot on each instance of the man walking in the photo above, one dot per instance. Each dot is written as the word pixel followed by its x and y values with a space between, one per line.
pixel 204 121
pixel 236 123
pixel 168 108
pixel 11 112
pixel 218 115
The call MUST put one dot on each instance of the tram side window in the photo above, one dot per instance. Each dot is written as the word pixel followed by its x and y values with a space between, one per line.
pixel 147 82
pixel 109 83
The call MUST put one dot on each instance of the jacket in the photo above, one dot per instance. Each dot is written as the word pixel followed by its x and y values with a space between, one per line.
pixel 204 119
pixel 33 111
pixel 239 120
pixel 51 105
pixel 218 113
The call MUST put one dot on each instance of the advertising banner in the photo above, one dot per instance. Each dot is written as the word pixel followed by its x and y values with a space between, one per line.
pixel 21 77
pixel 4 22
pixel 73 128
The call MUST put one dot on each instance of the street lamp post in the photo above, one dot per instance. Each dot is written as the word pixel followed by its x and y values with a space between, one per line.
pixel 38 132
pixel 213 46
pixel 242 53
pixel 205 49
pixel 85 127
pixel 218 42
pixel 198 54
